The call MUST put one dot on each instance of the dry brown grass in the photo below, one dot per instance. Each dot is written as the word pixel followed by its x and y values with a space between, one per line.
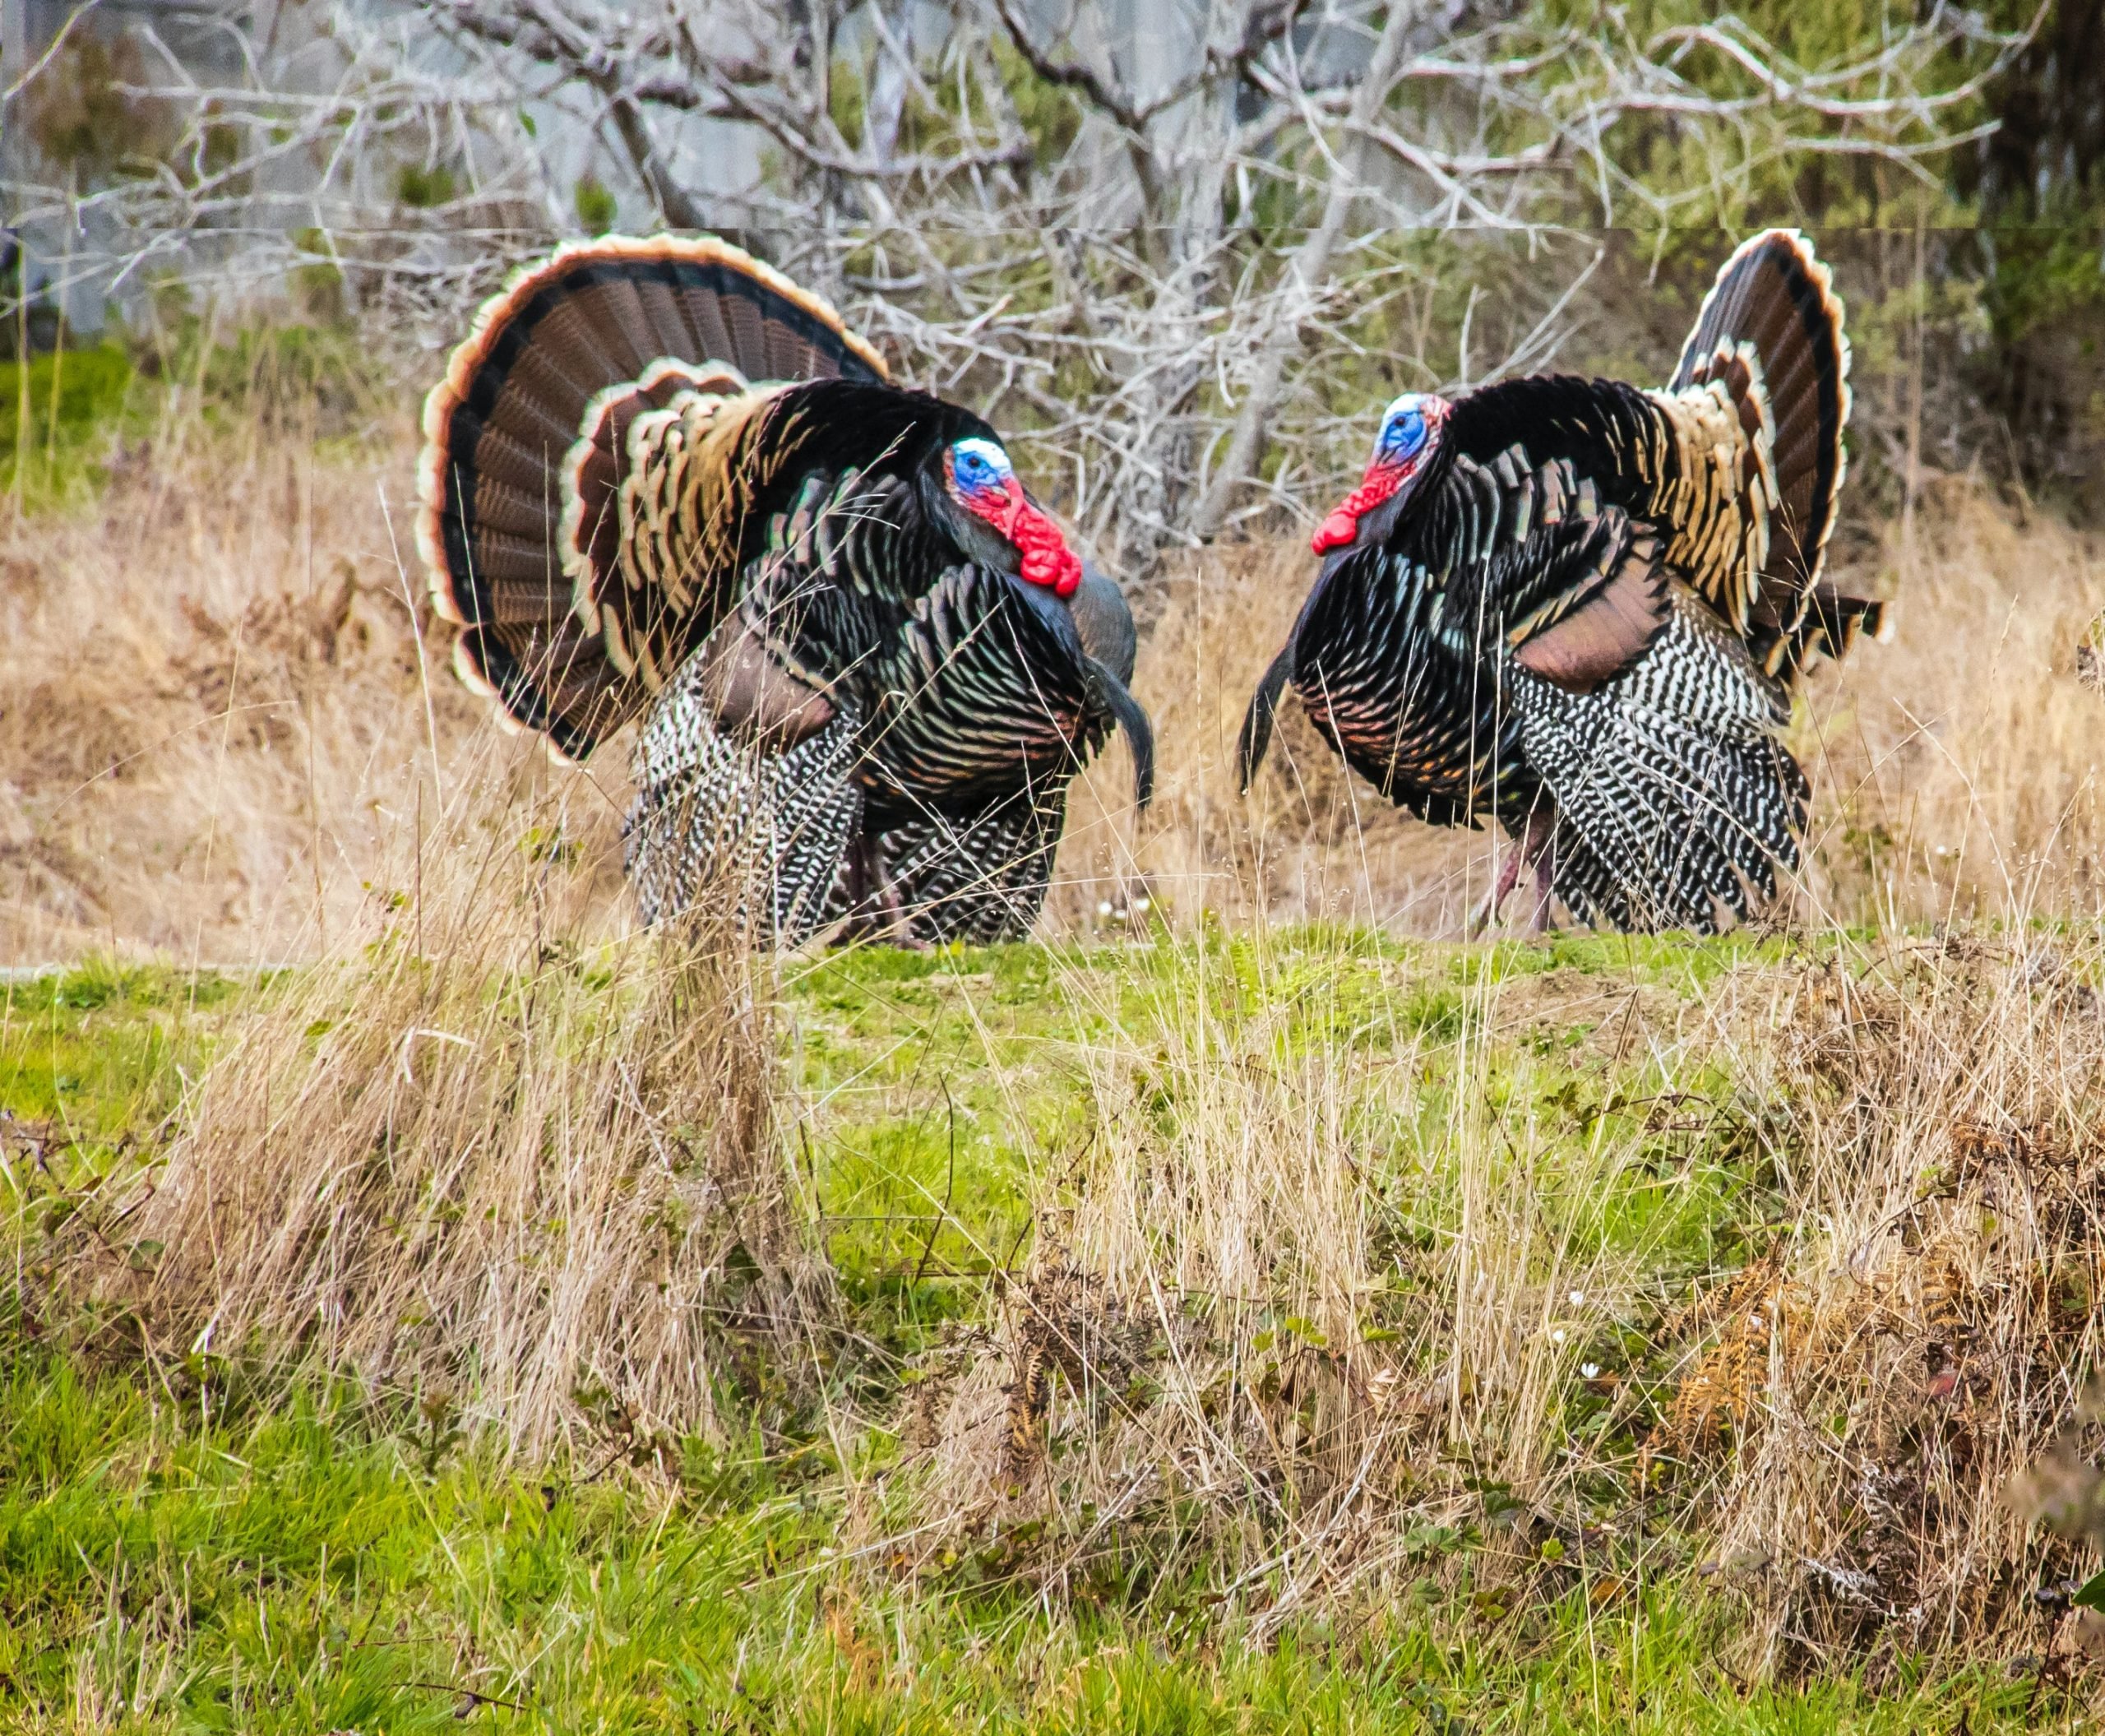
pixel 1924 1330
pixel 1957 769
pixel 216 729
pixel 490 1147
pixel 212 707
pixel 1301 1301
pixel 531 1182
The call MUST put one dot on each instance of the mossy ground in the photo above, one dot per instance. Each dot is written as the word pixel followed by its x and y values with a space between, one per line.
pixel 176 1554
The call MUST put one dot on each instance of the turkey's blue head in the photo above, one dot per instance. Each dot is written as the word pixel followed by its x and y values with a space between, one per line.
pixel 979 477
pixel 1409 436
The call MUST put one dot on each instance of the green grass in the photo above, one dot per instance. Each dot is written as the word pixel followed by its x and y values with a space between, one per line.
pixel 70 406
pixel 304 1568
pixel 96 1050
pixel 181 1550
pixel 65 417
pixel 321 1569
pixel 939 1084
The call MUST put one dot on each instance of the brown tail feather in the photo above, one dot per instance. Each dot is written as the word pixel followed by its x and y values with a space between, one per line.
pixel 1829 624
pixel 552 680
pixel 1774 295
pixel 498 474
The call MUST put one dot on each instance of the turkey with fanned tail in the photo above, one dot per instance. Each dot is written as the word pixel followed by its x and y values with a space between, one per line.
pixel 661 481
pixel 1579 608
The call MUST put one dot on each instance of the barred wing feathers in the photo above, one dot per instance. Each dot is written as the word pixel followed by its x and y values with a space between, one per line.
pixel 1400 652
pixel 1673 800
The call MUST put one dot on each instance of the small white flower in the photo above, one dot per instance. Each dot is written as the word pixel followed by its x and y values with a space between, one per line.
pixel 1104 907
pixel 1589 1370
pixel 1144 904
pixel 1556 1337
pixel 1578 1299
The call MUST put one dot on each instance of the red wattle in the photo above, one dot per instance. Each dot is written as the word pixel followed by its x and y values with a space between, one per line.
pixel 1335 531
pixel 1382 480
pixel 1047 558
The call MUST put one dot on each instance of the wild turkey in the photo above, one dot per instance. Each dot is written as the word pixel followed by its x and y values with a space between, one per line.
pixel 1579 607
pixel 661 479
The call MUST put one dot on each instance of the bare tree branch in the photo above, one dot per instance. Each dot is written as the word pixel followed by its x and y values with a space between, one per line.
pixel 1310 268
pixel 1163 282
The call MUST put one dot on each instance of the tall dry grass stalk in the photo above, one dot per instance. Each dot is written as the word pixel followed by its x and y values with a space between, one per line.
pixel 486 1144
pixel 1306 1310
pixel 215 722
pixel 1318 1317
pixel 1957 770
pixel 472 1158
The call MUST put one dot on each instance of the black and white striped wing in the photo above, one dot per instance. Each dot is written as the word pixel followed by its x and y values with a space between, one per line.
pixel 711 809
pixel 1674 799
pixel 1402 653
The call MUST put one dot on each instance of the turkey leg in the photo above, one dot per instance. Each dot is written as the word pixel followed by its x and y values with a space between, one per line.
pixel 876 913
pixel 1501 886
pixel 1530 851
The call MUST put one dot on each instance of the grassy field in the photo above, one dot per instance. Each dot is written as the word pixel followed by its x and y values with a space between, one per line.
pixel 431 1301
pixel 187 1541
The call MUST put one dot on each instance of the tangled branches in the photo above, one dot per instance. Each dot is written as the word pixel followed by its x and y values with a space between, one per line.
pixel 1163 255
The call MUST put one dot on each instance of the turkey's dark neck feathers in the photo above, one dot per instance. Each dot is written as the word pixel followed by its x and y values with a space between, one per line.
pixel 832 426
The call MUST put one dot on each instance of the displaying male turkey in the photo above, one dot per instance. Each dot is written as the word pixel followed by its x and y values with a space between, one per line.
pixel 1579 607
pixel 661 479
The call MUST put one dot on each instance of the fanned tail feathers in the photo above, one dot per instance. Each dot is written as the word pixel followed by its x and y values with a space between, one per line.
pixel 1771 333
pixel 604 341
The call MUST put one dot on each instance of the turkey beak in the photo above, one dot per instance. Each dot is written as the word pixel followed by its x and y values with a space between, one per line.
pixel 1005 517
